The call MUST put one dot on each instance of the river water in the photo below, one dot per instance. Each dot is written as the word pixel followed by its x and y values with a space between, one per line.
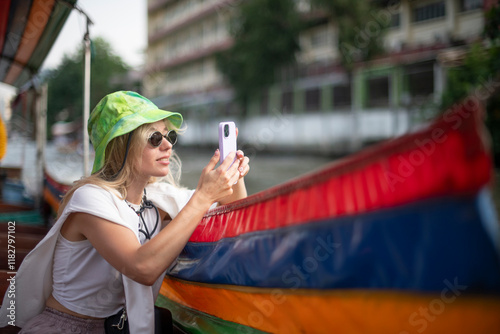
pixel 266 169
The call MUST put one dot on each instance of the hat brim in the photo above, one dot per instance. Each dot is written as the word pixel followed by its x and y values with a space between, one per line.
pixel 128 124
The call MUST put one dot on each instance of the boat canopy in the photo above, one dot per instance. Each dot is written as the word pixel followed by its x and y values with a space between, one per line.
pixel 28 29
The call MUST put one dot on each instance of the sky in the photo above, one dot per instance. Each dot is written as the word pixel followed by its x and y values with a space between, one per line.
pixel 122 23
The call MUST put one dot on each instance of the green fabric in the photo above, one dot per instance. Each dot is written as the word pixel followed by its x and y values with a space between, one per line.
pixel 194 321
pixel 120 113
pixel 31 218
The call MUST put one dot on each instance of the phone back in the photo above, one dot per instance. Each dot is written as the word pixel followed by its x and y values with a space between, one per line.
pixel 227 139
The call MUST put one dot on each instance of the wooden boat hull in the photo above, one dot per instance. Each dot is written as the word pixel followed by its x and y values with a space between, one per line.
pixel 401 237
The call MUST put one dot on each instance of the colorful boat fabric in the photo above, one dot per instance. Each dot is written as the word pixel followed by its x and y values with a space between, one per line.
pixel 28 29
pixel 399 238
pixel 53 192
pixel 3 139
pixel 381 250
pixel 206 308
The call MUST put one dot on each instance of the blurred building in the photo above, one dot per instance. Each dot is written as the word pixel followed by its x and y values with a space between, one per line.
pixel 182 39
pixel 382 98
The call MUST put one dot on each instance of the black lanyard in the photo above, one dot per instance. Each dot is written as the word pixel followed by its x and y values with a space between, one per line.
pixel 146 204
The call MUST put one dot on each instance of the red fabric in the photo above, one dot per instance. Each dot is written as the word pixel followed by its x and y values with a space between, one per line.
pixel 447 158
pixel 4 19
pixel 62 188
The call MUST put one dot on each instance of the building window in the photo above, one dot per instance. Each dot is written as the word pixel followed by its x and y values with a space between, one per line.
pixel 319 38
pixel 341 96
pixel 428 12
pixel 378 92
pixel 420 80
pixel 313 99
pixel 287 101
pixel 395 20
pixel 466 5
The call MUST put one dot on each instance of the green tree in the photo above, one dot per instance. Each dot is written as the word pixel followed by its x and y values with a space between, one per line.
pixel 265 36
pixel 480 69
pixel 361 25
pixel 65 83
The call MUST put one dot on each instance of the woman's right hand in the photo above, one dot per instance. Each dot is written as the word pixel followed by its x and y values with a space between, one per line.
pixel 215 184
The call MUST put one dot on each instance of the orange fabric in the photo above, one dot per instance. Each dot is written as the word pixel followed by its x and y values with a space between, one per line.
pixel 3 139
pixel 51 199
pixel 339 311
pixel 39 16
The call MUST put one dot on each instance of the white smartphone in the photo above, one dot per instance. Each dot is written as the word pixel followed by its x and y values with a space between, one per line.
pixel 227 139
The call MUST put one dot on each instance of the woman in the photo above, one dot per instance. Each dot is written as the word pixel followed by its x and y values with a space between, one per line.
pixel 106 254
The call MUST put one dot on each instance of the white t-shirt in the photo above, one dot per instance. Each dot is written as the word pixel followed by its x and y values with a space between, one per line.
pixel 35 281
pixel 84 282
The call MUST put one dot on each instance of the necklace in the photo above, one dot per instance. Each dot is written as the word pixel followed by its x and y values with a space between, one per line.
pixel 145 204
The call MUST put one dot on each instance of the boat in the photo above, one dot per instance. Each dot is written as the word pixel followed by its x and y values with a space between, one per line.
pixel 53 191
pixel 28 30
pixel 401 237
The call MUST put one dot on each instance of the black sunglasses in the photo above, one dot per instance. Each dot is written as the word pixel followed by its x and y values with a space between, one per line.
pixel 156 138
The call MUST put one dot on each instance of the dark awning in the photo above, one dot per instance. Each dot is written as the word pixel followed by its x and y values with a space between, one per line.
pixel 28 29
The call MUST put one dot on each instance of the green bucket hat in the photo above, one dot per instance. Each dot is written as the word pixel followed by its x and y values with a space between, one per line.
pixel 120 113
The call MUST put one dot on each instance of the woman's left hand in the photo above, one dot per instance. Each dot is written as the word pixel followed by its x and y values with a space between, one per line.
pixel 239 189
pixel 244 166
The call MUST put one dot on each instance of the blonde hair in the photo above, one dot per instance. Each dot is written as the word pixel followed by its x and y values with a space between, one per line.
pixel 110 177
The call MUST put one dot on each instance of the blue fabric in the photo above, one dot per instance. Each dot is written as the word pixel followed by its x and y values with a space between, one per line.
pixel 424 246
